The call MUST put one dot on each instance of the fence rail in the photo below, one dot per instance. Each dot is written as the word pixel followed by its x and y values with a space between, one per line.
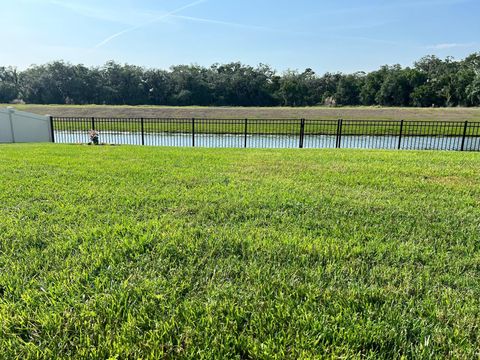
pixel 271 133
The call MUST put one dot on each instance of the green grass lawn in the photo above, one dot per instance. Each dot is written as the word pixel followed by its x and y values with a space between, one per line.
pixel 138 252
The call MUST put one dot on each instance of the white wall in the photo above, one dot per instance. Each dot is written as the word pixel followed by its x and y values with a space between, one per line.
pixel 5 127
pixel 20 126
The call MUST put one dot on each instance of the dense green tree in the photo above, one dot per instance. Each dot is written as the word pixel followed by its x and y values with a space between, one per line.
pixel 372 85
pixel 424 96
pixel 473 91
pixel 191 85
pixel 442 76
pixel 240 85
pixel 294 86
pixel 397 86
pixel 157 85
pixel 123 84
pixel 9 87
pixel 431 82
pixel 348 89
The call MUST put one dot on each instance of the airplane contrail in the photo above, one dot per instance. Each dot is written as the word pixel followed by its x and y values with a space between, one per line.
pixel 226 23
pixel 273 30
pixel 133 28
pixel 280 31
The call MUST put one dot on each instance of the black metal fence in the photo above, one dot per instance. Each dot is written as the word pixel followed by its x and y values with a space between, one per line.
pixel 271 133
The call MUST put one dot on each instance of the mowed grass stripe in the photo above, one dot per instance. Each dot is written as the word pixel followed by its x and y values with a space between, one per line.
pixel 134 252
pixel 314 112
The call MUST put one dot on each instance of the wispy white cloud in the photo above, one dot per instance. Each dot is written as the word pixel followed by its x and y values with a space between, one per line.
pixel 138 20
pixel 367 39
pixel 156 19
pixel 231 24
pixel 414 4
pixel 99 13
pixel 394 5
pixel 282 31
pixel 324 34
pixel 447 46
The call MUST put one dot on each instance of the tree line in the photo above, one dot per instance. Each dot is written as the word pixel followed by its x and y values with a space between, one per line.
pixel 430 82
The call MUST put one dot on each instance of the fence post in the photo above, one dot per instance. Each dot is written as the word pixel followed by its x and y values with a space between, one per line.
pixel 400 135
pixel 465 126
pixel 339 133
pixel 93 123
pixel 193 132
pixel 245 133
pixel 52 131
pixel 302 132
pixel 143 131
pixel 11 111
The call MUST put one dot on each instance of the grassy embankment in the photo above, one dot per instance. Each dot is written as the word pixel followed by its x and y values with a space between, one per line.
pixel 148 252
pixel 326 113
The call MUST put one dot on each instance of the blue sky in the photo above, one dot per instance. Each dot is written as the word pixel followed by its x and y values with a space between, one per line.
pixel 326 35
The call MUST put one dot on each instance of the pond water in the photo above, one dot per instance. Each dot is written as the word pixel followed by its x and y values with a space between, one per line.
pixel 273 141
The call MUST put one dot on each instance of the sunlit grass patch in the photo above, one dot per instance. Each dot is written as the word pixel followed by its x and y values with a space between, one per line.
pixel 136 252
